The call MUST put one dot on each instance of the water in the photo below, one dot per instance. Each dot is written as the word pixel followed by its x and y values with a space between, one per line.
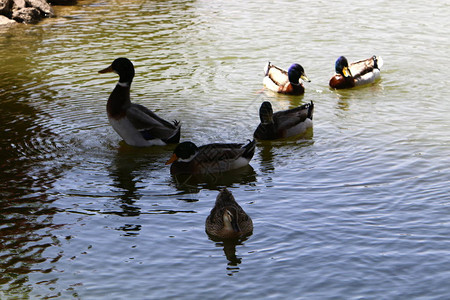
pixel 358 210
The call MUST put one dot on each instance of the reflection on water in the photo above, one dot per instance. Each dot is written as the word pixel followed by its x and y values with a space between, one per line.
pixel 131 167
pixel 280 152
pixel 192 184
pixel 229 249
pixel 266 154
pixel 26 211
pixel 25 208
pixel 344 97
pixel 284 102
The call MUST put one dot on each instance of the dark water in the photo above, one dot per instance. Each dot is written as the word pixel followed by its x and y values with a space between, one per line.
pixel 357 210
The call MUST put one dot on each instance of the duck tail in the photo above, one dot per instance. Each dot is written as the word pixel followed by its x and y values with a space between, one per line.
pixel 311 110
pixel 267 68
pixel 249 149
pixel 175 138
pixel 377 62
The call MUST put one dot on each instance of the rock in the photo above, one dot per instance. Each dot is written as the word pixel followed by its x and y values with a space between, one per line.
pixel 28 11
pixel 6 7
pixel 26 15
pixel 43 6
pixel 6 21
pixel 19 4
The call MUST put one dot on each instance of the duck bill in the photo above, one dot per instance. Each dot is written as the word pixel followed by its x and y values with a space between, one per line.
pixel 106 70
pixel 173 158
pixel 346 72
pixel 305 78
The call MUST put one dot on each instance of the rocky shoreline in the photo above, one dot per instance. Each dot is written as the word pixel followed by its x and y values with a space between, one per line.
pixel 28 11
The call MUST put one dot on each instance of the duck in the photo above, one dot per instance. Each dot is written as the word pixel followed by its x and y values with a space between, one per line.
pixel 357 73
pixel 283 124
pixel 136 124
pixel 280 81
pixel 227 219
pixel 187 158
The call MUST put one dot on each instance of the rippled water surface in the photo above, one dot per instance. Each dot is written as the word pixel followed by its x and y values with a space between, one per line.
pixel 358 210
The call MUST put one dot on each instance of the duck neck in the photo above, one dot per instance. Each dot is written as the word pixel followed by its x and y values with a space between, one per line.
pixel 119 98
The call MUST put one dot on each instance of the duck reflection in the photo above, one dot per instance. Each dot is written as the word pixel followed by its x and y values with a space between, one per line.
pixel 278 153
pixel 193 184
pixel 282 101
pixel 266 154
pixel 123 172
pixel 228 225
pixel 346 97
pixel 229 249
pixel 129 166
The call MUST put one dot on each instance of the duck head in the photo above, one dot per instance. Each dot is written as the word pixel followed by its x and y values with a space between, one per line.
pixel 266 113
pixel 295 72
pixel 341 67
pixel 184 152
pixel 225 198
pixel 123 67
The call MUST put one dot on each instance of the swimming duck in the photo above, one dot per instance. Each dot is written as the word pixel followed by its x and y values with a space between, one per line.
pixel 283 124
pixel 187 158
pixel 227 219
pixel 135 123
pixel 280 81
pixel 357 73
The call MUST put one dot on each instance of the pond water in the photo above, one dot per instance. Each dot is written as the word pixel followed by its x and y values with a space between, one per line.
pixel 358 210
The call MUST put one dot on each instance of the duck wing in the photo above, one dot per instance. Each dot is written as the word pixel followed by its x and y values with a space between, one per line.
pixel 362 67
pixel 277 75
pixel 218 151
pixel 223 151
pixel 144 119
pixel 289 118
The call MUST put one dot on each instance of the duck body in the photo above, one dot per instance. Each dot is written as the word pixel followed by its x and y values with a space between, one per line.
pixel 211 158
pixel 285 82
pixel 136 124
pixel 227 219
pixel 283 124
pixel 356 74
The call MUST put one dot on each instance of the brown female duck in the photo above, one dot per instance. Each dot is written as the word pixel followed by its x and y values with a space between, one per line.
pixel 227 219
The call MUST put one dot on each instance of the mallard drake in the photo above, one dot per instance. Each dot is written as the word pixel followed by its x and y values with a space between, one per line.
pixel 135 123
pixel 280 81
pixel 283 124
pixel 187 158
pixel 227 219
pixel 357 73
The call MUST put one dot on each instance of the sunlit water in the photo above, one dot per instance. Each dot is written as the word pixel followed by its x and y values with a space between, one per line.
pixel 358 210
